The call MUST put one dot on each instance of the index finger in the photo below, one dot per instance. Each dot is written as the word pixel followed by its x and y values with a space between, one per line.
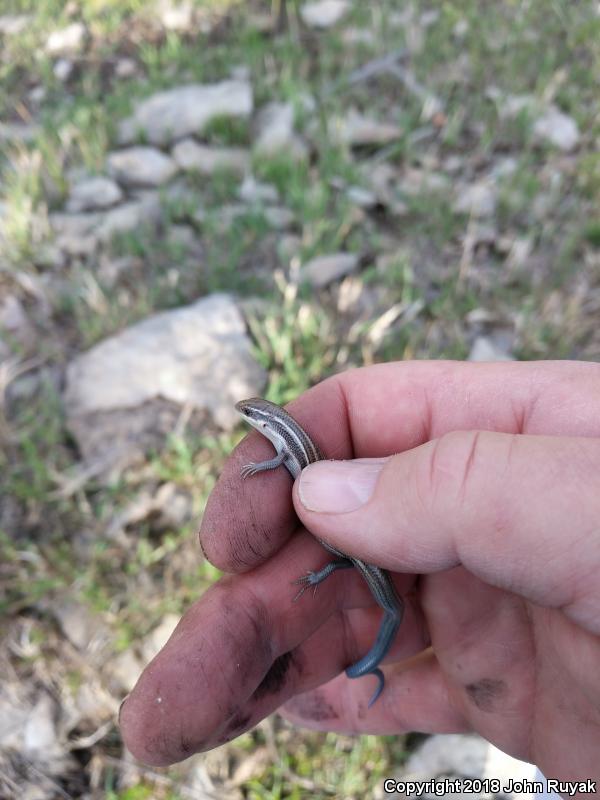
pixel 386 409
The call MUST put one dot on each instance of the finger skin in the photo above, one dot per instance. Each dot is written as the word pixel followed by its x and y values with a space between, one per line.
pixel 520 512
pixel 386 409
pixel 245 648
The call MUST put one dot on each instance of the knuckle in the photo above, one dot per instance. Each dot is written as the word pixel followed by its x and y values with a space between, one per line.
pixel 453 468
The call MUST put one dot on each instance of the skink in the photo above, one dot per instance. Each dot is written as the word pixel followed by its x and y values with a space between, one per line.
pixel 295 450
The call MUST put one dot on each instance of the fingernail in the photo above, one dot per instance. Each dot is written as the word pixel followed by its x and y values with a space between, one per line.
pixel 336 487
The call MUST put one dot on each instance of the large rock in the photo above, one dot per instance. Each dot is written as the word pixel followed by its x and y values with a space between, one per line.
pixel 171 115
pixel 141 166
pixel 126 393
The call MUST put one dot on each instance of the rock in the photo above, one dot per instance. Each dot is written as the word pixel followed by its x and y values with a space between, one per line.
pixel 363 198
pixel 384 181
pixel 275 132
pixel 323 270
pixel 92 194
pixel 130 216
pixel 82 628
pixel 288 247
pixel 17 132
pixel 476 199
pixel 126 393
pixel 504 168
pixel 357 129
pixel 15 322
pixel 183 238
pixel 110 269
pixel 175 17
pixel 157 638
pixel 557 129
pixel 125 68
pixel 167 116
pixel 189 155
pixel 253 191
pixel 63 69
pixel 520 251
pixel 416 182
pixel 37 95
pixel 323 13
pixel 124 670
pixel 40 733
pixel 79 234
pixel 460 756
pixel 141 166
pixel 278 218
pixel 449 754
pixel 13 24
pixel 66 41
pixel 486 349
pixel 74 233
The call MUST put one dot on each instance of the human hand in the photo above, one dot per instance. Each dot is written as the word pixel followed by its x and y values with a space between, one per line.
pixel 496 539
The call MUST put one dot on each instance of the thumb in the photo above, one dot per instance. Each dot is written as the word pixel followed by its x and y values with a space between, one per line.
pixel 520 512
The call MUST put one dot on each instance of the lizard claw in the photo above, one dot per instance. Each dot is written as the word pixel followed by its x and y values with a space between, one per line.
pixel 305 581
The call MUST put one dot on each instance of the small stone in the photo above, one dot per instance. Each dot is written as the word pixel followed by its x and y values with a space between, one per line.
pixel 288 247
pixel 141 166
pixel 448 754
pixel 78 624
pixel 63 69
pixel 13 24
pixel 15 322
pixel 279 218
pixel 176 17
pixel 158 637
pixel 486 349
pixel 519 253
pixel 275 132
pixel 124 670
pixel 66 41
pixel 17 132
pixel 357 129
pixel 323 270
pixel 557 129
pixel 125 68
pixel 93 193
pixel 191 156
pixel 129 217
pixel 323 13
pixel 40 734
pixel 363 198
pixel 168 116
pixel 37 95
pixel 477 199
pixel 253 191
pixel 184 239
pixel 504 167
